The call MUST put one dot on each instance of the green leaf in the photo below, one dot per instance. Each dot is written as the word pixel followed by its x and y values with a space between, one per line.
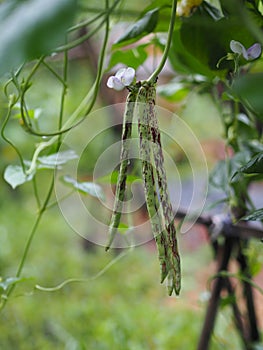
pixel 208 39
pixel 15 176
pixel 32 28
pixel 228 169
pixel 112 178
pixel 249 88
pixel 228 300
pixel 85 187
pixel 123 228
pixel 58 158
pixel 174 91
pixel 183 61
pixel 213 11
pixel 255 215
pixel 9 281
pixel 254 166
pixel 132 57
pixel 142 27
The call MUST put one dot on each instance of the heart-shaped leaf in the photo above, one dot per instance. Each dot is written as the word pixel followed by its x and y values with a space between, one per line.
pixel 85 187
pixel 59 158
pixel 14 175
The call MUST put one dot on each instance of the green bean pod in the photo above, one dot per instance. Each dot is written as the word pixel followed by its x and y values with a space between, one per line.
pixel 174 277
pixel 151 152
pixel 142 108
pixel 124 162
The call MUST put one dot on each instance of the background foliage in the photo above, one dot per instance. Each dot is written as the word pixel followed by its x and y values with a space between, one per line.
pixel 45 79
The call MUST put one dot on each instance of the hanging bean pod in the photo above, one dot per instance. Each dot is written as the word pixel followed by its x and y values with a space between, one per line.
pixel 124 162
pixel 150 145
pixel 174 278
pixel 142 110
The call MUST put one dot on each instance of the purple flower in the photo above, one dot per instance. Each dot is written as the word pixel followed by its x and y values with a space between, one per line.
pixel 251 53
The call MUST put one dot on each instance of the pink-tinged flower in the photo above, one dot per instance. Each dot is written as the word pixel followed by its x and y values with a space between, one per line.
pixel 124 77
pixel 251 53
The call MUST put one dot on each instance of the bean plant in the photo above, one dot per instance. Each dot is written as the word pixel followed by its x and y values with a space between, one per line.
pixel 207 50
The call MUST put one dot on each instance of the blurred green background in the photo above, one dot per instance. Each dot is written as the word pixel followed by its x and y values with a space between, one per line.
pixel 121 304
pixel 125 307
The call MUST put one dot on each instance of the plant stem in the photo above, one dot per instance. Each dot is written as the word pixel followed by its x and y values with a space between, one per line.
pixel 158 70
pixel 63 97
pixel 85 37
pixel 7 140
pixel 51 141
pixel 34 229
pixel 92 94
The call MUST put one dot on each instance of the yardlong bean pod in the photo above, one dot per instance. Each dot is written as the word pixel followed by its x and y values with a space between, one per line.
pixel 142 109
pixel 150 145
pixel 124 162
pixel 174 276
pixel 141 100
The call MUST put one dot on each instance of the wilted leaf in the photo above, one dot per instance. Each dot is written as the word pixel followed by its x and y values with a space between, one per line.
pixel 85 187
pixel 15 176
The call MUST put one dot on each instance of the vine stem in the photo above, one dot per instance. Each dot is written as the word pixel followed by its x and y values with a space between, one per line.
pixel 91 95
pixel 158 70
pixel 51 186
pixel 28 244
pixel 85 37
pixel 7 140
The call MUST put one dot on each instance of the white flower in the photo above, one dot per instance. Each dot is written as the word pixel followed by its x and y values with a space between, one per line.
pixel 124 77
pixel 251 53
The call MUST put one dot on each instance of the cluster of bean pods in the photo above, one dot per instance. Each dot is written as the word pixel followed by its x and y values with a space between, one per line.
pixel 141 102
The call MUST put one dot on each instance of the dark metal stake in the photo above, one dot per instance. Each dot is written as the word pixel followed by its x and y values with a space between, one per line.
pixel 210 317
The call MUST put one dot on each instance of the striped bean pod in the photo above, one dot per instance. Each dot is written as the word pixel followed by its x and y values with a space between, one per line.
pixel 141 100
pixel 150 145
pixel 142 109
pixel 174 276
pixel 124 162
